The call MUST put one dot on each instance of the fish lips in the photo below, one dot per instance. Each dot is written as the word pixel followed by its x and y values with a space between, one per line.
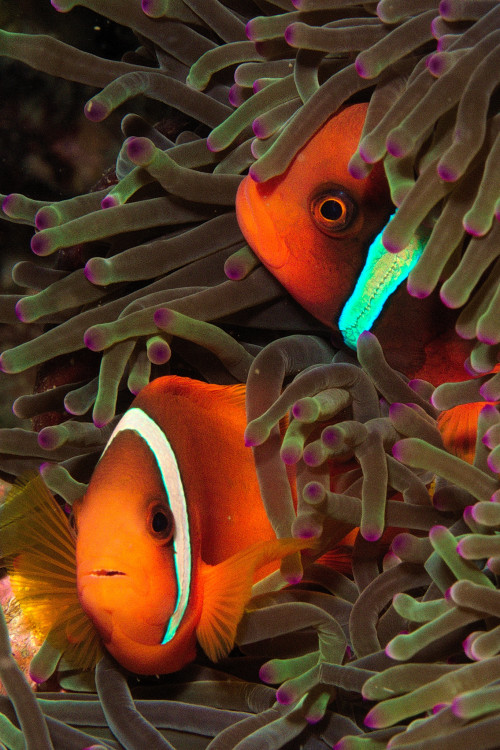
pixel 108 594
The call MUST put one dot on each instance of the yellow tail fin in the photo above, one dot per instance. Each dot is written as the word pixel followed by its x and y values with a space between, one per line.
pixel 37 545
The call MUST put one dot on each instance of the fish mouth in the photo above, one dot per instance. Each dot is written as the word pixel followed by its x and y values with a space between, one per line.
pixel 104 572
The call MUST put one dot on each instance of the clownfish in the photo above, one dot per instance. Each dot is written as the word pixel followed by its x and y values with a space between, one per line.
pixel 311 226
pixel 317 229
pixel 168 538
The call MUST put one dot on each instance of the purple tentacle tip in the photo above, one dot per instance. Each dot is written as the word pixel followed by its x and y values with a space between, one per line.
pixel 361 68
pixel 448 174
pixel 365 336
pixel 210 145
pixel 248 30
pixel 439 707
pixel 293 580
pixel 467 645
pixel 41 220
pixel 493 463
pixel 444 9
pixel 258 129
pixel 289 34
pixel 489 410
pixel 486 339
pixel 91 340
pixel 95 111
pixel 305 533
pixel 297 4
pixel 365 154
pixel 395 409
pixel 140 150
pixel 399 544
pixel 474 230
pixel 397 451
pixel 146 6
pixel 330 436
pixel 467 511
pixel 371 533
pixel 40 244
pixel 234 97
pixel 163 317
pixel 371 719
pixel 435 64
pixel 484 392
pixel 486 441
pixel 437 531
pixel 233 272
pixel 109 201
pixel 88 273
pixel 314 492
pixel 417 292
pixel 8 202
pixel 390 245
pixel 456 708
pixel 356 170
pixel 284 696
pixel 314 718
pixel 289 456
pixel 254 175
pixel 45 439
pixel 19 311
pixel 266 673
pixel 91 270
pixel 394 147
pixel 447 301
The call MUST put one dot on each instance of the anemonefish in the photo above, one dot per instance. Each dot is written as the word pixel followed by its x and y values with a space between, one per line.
pixel 171 534
pixel 317 230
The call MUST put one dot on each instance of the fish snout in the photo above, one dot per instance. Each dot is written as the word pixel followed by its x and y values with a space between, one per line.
pixel 257 225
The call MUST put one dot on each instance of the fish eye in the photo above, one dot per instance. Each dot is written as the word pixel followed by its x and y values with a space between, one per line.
pixel 333 210
pixel 161 523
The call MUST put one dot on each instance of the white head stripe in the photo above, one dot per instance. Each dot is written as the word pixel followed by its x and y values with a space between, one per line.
pixel 156 440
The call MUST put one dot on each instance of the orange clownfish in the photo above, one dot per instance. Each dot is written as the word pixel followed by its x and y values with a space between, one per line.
pixel 311 226
pixel 317 230
pixel 170 534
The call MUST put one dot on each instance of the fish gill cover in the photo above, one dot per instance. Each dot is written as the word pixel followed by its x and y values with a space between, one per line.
pixel 162 280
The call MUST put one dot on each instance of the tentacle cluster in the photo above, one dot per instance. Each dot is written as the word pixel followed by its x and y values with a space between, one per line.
pixel 161 280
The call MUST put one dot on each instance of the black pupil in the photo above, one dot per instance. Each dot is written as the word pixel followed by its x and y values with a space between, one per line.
pixel 160 522
pixel 331 210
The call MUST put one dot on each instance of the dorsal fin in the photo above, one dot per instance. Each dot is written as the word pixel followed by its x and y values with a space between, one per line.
pixel 227 588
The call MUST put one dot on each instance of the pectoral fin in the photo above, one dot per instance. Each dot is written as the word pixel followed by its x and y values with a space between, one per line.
pixel 227 589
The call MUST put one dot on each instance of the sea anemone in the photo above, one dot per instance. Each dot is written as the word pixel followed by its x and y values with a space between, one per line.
pixel 150 273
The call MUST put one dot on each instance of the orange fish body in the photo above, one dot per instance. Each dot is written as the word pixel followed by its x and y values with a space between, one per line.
pixel 172 529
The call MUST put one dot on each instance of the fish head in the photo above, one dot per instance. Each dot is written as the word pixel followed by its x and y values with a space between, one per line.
pixel 312 225
pixel 127 579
